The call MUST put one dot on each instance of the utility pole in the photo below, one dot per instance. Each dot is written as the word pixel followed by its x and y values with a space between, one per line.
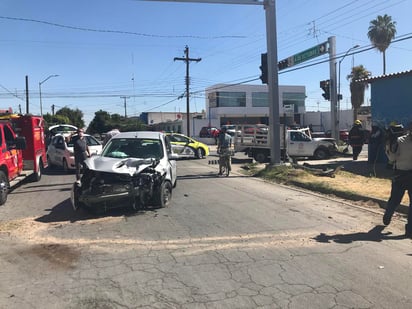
pixel 187 60
pixel 125 98
pixel 27 94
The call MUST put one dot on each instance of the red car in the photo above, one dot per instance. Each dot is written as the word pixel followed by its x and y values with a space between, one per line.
pixel 343 135
pixel 209 132
pixel 256 128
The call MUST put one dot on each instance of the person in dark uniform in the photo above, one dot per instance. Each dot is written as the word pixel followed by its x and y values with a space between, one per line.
pixel 81 151
pixel 356 139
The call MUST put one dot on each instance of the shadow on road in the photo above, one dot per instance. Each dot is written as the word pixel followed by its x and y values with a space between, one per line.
pixel 57 171
pixel 41 188
pixel 64 212
pixel 375 234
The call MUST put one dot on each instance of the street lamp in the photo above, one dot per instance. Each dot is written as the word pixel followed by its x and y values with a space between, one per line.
pixel 41 105
pixel 340 61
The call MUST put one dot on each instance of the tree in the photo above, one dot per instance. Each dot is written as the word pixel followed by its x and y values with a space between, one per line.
pixel 381 32
pixel 75 116
pixel 104 122
pixel 55 119
pixel 100 123
pixel 358 87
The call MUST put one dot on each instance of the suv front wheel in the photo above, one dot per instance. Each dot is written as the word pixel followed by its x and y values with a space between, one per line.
pixel 163 195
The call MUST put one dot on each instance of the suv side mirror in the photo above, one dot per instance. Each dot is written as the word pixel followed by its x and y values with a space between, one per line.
pixel 173 156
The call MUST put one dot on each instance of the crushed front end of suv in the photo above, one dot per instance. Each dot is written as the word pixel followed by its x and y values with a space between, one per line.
pixel 135 169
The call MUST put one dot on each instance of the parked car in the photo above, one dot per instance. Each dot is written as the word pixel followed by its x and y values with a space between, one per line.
pixel 343 135
pixel 63 129
pixel 230 129
pixel 209 132
pixel 187 147
pixel 135 169
pixel 256 128
pixel 60 151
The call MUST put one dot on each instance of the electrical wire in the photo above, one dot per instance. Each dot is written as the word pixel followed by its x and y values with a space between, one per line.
pixel 119 31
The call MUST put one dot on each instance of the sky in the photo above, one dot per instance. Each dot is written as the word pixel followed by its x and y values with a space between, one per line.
pixel 119 55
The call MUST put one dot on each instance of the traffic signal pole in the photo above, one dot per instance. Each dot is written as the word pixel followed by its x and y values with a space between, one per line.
pixel 333 88
pixel 273 81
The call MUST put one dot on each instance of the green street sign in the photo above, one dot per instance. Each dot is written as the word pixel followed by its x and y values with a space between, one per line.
pixel 310 53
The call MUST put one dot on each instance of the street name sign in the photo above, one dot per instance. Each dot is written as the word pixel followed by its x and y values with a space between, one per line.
pixel 310 53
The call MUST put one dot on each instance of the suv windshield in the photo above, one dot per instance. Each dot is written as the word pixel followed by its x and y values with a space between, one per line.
pixel 133 148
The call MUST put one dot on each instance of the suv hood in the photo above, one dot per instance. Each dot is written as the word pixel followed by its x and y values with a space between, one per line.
pixel 130 166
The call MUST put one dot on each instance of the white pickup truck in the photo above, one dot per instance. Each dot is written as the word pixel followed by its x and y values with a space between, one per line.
pixel 255 142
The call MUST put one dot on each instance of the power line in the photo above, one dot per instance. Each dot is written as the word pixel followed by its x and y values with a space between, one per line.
pixel 14 95
pixel 119 31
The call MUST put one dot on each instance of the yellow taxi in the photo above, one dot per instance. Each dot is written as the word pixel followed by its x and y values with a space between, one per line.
pixel 187 147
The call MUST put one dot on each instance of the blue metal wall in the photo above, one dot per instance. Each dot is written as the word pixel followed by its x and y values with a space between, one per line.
pixel 391 100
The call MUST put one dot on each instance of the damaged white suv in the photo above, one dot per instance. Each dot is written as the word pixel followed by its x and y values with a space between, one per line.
pixel 135 169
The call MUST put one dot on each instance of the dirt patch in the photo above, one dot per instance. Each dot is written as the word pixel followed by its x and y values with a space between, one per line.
pixel 366 186
pixel 34 232
pixel 356 181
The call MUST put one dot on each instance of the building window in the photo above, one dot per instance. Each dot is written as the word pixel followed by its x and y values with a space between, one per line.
pixel 260 99
pixel 231 99
pixel 296 99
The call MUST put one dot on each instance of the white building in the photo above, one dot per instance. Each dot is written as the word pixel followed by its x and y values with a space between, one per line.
pixel 247 104
pixel 239 104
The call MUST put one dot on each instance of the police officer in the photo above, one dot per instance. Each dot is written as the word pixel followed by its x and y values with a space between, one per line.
pixel 356 138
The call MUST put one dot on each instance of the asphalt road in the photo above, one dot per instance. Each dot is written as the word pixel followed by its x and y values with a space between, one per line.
pixel 233 242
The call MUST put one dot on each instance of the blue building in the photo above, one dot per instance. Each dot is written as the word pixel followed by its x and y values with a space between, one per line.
pixel 391 98
pixel 391 101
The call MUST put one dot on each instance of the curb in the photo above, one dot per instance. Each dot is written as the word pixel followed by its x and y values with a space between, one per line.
pixel 350 196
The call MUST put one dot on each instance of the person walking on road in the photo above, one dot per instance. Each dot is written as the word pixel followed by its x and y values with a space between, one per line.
pixel 223 146
pixel 400 153
pixel 356 139
pixel 81 151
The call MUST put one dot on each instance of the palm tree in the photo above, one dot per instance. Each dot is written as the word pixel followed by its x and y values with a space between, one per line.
pixel 358 87
pixel 381 32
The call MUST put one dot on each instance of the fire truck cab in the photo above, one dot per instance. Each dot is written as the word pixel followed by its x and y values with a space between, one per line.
pixel 22 151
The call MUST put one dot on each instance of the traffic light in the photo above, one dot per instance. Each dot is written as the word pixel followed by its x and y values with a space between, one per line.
pixel 283 64
pixel 264 68
pixel 325 86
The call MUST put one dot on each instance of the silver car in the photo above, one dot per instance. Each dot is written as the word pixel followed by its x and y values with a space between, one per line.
pixel 60 151
pixel 135 169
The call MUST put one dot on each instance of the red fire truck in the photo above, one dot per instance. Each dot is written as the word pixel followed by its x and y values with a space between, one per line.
pixel 22 151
